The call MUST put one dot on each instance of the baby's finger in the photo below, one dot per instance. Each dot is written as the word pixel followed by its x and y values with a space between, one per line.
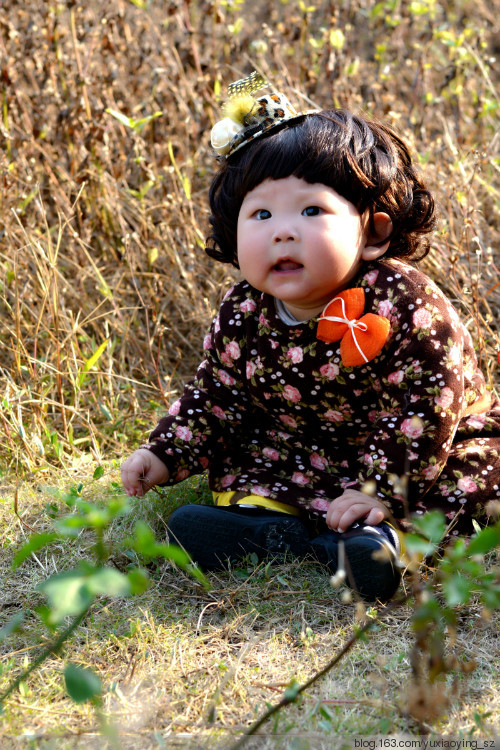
pixel 348 517
pixel 375 516
pixel 132 473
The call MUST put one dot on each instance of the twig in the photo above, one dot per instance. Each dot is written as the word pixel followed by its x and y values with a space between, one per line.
pixel 295 692
pixel 51 649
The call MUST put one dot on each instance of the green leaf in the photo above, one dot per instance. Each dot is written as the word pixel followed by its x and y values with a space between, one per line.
pixel 431 525
pixel 490 596
pixel 11 625
pixel 120 117
pixel 36 542
pixel 139 125
pixel 139 581
pixel 67 594
pixel 417 546
pixel 427 612
pixel 82 684
pixel 70 525
pixel 144 541
pixel 98 473
pixel 486 541
pixel 457 590
pixel 292 690
pixel 108 581
pixel 145 544
pixel 91 361
pixel 337 38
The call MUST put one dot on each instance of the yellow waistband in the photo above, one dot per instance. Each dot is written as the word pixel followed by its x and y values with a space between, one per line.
pixel 224 498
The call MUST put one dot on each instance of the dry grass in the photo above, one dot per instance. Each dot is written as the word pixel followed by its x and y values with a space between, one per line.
pixel 101 241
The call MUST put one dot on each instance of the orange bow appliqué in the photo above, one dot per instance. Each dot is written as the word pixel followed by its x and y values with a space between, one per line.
pixel 361 338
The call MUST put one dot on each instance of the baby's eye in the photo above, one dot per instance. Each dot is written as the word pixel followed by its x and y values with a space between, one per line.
pixel 262 213
pixel 311 211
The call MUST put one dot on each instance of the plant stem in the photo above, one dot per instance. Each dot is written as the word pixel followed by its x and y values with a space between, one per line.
pixel 286 700
pixel 52 649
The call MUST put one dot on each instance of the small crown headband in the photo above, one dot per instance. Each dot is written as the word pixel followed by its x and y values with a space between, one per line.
pixel 247 118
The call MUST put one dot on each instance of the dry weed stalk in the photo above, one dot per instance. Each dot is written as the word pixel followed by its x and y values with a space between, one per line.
pixel 104 220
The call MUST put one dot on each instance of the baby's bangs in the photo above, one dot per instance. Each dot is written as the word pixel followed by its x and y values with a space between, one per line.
pixel 303 149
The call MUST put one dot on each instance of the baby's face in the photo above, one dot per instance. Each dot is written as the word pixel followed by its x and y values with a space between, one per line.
pixel 301 243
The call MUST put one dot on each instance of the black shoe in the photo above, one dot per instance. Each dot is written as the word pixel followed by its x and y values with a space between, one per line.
pixel 373 577
pixel 213 535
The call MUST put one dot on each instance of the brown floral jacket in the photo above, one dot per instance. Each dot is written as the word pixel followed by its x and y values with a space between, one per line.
pixel 273 411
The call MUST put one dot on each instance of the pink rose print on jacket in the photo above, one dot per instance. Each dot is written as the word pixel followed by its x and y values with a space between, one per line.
pixel 396 377
pixel 225 378
pixel 295 354
pixel 233 350
pixel 260 490
pixel 445 399
pixel 334 416
pixel 271 453
pixel 228 480
pixel 412 428
pixel 477 421
pixel 320 504
pixel 175 408
pixel 288 420
pixel 466 484
pixel 422 318
pixel 319 462
pixel 184 433
pixel 430 472
pixel 371 277
pixel 330 370
pixel 385 307
pixel 291 393
pixel 299 478
pixel 248 306
pixel 219 413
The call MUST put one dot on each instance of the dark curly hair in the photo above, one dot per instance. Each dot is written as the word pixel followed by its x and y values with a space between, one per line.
pixel 364 161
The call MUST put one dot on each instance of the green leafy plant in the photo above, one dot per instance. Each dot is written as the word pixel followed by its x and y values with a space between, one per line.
pixel 459 576
pixel 71 593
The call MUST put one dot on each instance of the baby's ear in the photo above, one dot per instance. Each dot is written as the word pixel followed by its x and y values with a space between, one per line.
pixel 378 236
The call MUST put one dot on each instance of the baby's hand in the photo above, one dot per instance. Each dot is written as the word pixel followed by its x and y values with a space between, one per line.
pixel 354 506
pixel 141 471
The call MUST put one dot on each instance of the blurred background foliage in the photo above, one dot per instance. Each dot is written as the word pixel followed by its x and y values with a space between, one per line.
pixel 105 163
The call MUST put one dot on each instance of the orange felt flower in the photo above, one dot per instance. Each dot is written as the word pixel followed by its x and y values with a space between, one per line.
pixel 362 337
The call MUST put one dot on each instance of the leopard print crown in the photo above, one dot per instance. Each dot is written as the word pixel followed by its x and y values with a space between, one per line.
pixel 248 118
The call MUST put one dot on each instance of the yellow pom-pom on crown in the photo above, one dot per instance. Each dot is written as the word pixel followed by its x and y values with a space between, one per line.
pixel 239 107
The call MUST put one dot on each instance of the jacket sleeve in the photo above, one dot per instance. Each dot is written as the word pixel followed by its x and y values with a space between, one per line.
pixel 422 394
pixel 203 422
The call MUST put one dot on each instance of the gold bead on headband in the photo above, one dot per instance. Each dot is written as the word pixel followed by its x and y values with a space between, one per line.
pixel 247 118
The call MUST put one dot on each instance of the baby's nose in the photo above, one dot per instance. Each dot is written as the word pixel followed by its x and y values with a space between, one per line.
pixel 285 234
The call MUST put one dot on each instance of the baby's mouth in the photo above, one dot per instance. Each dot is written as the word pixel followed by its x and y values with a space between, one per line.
pixel 286 265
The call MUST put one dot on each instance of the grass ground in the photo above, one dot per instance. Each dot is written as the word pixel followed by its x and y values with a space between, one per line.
pixel 186 667
pixel 104 295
